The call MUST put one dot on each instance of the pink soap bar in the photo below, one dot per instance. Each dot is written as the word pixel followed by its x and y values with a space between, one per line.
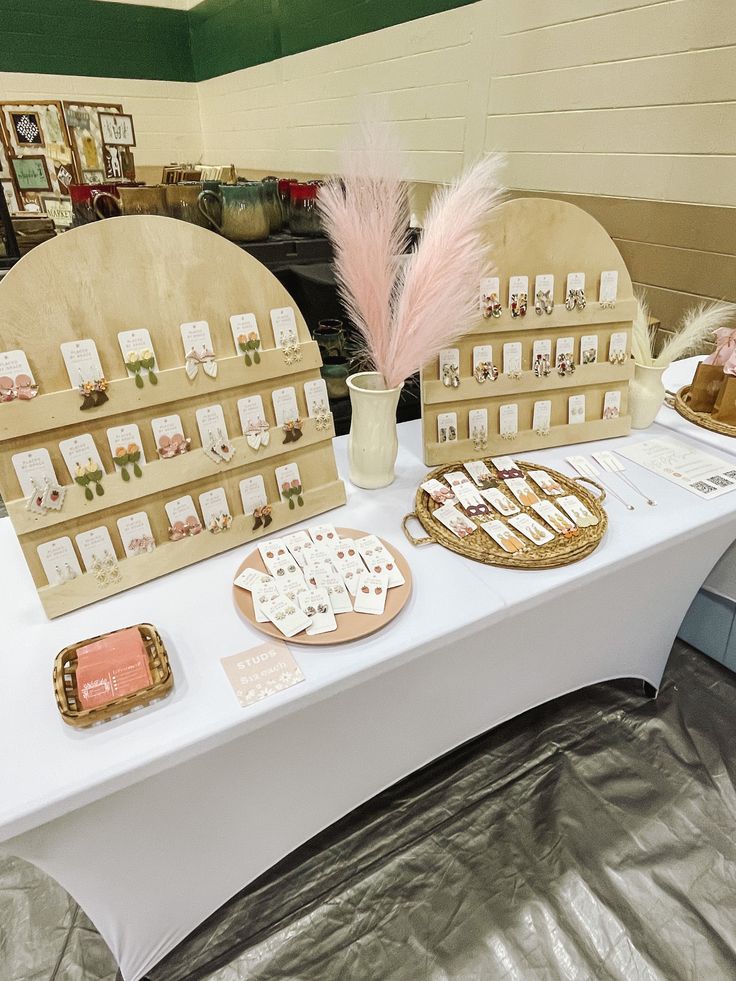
pixel 112 667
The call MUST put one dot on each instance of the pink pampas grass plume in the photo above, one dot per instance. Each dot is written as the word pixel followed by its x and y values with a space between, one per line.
pixel 407 308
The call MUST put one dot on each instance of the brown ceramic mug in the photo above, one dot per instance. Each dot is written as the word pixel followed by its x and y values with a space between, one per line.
pixel 134 201
pixel 182 202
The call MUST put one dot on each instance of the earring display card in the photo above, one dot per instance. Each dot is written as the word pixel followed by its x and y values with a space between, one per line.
pixel 243 325
pixel 575 509
pixel 93 545
pixel 210 423
pixel 285 405
pixel 554 518
pixel 617 345
pixel 181 509
pixel 167 426
pixel 545 283
pixel 33 467
pixel 283 324
pixel 316 397
pixel 575 409
pixel 565 346
pixel 447 427
pixel 497 499
pixel 253 493
pixel 454 520
pixel 612 405
pixel 545 482
pixel 506 467
pixel 589 349
pixel 503 536
pixel 542 416
pixel 82 362
pixel 287 477
pixel 518 285
pixel 439 492
pixel 370 595
pixel 449 360
pixel 251 413
pixel 609 287
pixel 522 491
pixel 489 288
pixel 478 426
pixel 531 529
pixel 59 561
pixel 213 505
pixel 480 473
pixel 508 419
pixel 575 281
pixel 126 440
pixel 80 451
pixel 482 355
pixel 196 336
pixel 133 529
pixel 286 616
pixel 316 605
pixel 512 358
pixel 542 349
pixel 14 363
pixel 136 342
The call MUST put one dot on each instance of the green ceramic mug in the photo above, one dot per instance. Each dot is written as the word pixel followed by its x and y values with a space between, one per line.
pixel 244 217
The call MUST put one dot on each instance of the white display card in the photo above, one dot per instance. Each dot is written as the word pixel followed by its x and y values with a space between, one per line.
pixel 543 284
pixel 575 509
pixel 166 426
pixel 541 349
pixel 370 596
pixel 285 405
pixel 33 465
pixel 565 345
pixel 82 361
pixel 575 281
pixel 480 473
pixel 180 510
pixel 508 419
pixel 263 592
pixel 512 357
pixel 558 521
pixel 252 493
pixel 449 358
pixel 324 534
pixel 134 527
pixel 241 325
pixel 701 473
pixel 478 424
pixel 588 349
pixel 609 287
pixel 59 561
pixel 283 323
pixel 316 397
pixel 576 409
pixel 503 536
pixel 126 436
pixel 488 287
pixel 286 616
pixel 251 578
pixel 288 474
pixel 336 590
pixel 482 353
pixel 522 491
pixel 379 559
pixel 251 412
pixel 439 492
pixel 315 603
pixel 211 423
pixel 532 529
pixel 506 467
pixel 213 505
pixel 80 450
pixel 454 520
pixel 542 417
pixel 195 336
pixel 273 551
pixel 546 482
pixel 499 501
pixel 300 545
pixel 93 546
pixel 447 427
pixel 517 285
pixel 135 342
pixel 617 344
pixel 14 363
pixel 612 405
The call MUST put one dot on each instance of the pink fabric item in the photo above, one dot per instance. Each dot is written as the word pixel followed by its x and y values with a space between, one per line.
pixel 725 349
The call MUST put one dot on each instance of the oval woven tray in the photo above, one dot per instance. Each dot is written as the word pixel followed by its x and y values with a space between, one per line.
pixel 705 420
pixel 562 550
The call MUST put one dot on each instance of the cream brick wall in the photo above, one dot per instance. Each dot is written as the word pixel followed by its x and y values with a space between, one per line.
pixel 166 114
pixel 632 98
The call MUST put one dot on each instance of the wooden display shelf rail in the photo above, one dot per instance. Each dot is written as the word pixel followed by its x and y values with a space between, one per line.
pixel 172 556
pixel 600 373
pixel 165 475
pixel 527 441
pixel 61 410
pixel 561 318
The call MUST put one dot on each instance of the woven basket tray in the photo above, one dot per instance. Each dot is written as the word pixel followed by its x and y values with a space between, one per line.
pixel 678 402
pixel 65 682
pixel 562 550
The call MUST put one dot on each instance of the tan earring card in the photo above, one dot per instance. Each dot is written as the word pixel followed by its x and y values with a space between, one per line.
pixel 261 671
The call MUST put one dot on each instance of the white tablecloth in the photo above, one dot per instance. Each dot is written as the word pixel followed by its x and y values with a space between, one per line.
pixel 153 821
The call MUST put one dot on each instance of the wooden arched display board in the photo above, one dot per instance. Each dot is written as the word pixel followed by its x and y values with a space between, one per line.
pixel 531 237
pixel 157 273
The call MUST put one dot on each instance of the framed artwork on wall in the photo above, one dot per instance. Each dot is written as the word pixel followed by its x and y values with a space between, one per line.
pixel 8 190
pixel 117 129
pixel 27 128
pixel 58 208
pixel 31 173
pixel 93 176
pixel 88 145
pixel 113 159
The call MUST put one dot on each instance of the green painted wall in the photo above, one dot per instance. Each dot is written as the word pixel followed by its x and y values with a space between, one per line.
pixel 82 37
pixel 119 40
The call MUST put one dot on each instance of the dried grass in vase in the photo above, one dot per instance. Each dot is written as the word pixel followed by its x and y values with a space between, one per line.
pixel 698 327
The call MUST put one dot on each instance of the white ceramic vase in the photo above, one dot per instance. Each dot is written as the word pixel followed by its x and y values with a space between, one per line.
pixel 373 442
pixel 646 395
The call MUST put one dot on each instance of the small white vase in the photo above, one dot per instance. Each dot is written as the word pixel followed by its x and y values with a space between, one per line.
pixel 646 395
pixel 373 442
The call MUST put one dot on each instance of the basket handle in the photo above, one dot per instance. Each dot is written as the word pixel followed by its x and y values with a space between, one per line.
pixel 669 399
pixel 587 480
pixel 426 540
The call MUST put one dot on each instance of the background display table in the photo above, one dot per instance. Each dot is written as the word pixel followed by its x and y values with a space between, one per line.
pixel 153 821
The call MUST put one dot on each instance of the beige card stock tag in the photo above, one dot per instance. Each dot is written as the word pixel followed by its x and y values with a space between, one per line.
pixel 261 671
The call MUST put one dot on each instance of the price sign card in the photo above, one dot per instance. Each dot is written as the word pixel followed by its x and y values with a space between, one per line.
pixel 261 671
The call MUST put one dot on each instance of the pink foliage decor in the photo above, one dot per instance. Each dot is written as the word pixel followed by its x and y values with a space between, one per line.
pixel 408 307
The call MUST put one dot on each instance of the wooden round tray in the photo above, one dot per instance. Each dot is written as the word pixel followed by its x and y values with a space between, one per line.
pixel 350 626
pixel 678 402
pixel 562 550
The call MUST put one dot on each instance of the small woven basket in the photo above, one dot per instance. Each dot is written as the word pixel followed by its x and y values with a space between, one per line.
pixel 678 402
pixel 562 550
pixel 65 682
